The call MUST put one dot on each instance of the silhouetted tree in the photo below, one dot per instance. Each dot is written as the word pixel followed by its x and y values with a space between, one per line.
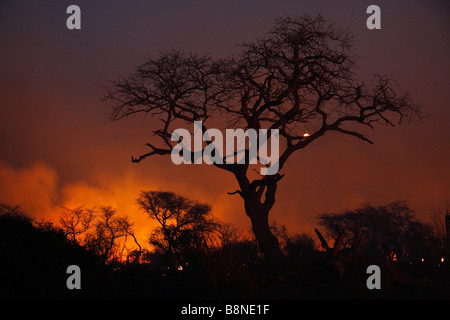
pixel 185 226
pixel 110 233
pixel 388 230
pixel 298 78
pixel 99 230
pixel 76 222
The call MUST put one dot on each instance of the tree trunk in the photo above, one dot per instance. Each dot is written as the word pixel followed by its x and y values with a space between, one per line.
pixel 259 217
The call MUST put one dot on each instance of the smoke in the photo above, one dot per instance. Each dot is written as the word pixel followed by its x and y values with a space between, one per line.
pixel 41 194
pixel 33 188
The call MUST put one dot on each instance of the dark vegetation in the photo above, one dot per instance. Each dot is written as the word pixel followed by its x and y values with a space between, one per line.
pixel 195 256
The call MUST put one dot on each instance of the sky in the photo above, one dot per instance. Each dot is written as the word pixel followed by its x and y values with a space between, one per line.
pixel 58 148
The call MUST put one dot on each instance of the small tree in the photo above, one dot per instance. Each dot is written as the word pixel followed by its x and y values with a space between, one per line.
pixel 184 227
pixel 76 222
pixel 109 234
pixel 299 78
pixel 99 230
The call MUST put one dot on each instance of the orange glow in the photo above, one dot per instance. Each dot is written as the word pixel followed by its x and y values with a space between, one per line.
pixel 40 195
